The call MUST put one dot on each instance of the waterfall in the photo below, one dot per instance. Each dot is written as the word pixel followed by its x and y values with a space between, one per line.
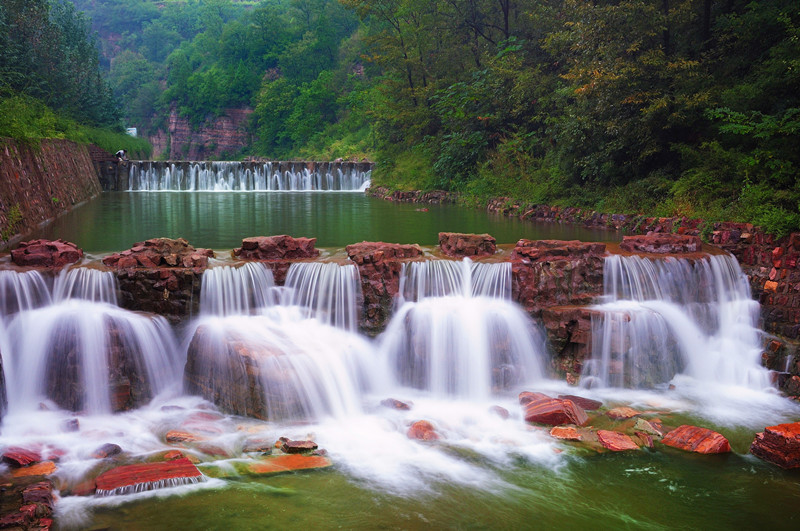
pixel 248 176
pixel 87 284
pixel 22 291
pixel 236 290
pixel 671 316
pixel 330 292
pixel 459 334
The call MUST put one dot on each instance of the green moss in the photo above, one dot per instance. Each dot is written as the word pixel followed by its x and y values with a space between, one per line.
pixel 14 218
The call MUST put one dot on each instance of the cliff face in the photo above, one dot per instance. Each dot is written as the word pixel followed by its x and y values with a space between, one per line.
pixel 39 183
pixel 225 134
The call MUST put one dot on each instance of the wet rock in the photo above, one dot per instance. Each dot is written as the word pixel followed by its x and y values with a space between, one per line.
pixel 147 476
pixel 53 254
pixel 779 445
pixel 160 253
pixel 71 425
pixel 649 427
pixel 461 245
pixel 586 404
pixel 662 244
pixel 699 440
pixel 500 412
pixel 645 439
pixel 616 441
pixel 298 447
pixel 567 433
pixel 18 457
pixel 526 397
pixel 392 403
pixel 422 430
pixel 177 436
pixel 107 450
pixel 288 463
pixel 553 411
pixel 173 454
pixel 261 446
pixel 39 469
pixel 622 413
pixel 276 248
pixel 379 266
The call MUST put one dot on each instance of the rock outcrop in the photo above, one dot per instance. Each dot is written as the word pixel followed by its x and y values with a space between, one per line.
pixel 779 444
pixel 277 252
pixel 695 439
pixel 51 254
pixel 147 476
pixel 662 244
pixel 541 409
pixel 217 136
pixel 467 245
pixel 379 265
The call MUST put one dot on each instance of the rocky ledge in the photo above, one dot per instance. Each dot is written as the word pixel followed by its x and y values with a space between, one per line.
pixel 53 254
pixel 662 244
pixel 779 444
pixel 467 245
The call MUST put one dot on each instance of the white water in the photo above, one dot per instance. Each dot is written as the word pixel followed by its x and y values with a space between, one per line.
pixel 237 176
pixel 236 290
pixel 329 292
pixel 22 291
pixel 675 316
pixel 459 335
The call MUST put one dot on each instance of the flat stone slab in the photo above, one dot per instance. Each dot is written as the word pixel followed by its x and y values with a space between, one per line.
pixel 147 476
pixel 699 440
pixel 779 445
pixel 280 464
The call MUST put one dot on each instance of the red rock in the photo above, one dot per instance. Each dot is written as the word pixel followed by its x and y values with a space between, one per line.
pixel 41 492
pixel 694 439
pixel 554 412
pixel 277 248
pixel 288 463
pixel 585 403
pixel 461 245
pixel 392 403
pixel 46 253
pixel 616 441
pixel 662 244
pixel 19 457
pixel 175 436
pixel 422 430
pixel 107 450
pixel 298 447
pixel 262 446
pixel 147 476
pixel 160 253
pixel 39 469
pixel 526 397
pixel 565 433
pixel 172 455
pixel 621 413
pixel 645 438
pixel 779 444
pixel 213 450
pixel 500 412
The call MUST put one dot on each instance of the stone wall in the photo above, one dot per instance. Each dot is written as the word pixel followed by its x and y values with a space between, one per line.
pixel 226 134
pixel 40 182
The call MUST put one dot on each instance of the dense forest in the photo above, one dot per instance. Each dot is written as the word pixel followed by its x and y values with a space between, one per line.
pixel 674 107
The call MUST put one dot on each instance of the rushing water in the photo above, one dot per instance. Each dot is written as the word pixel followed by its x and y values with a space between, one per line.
pixel 455 350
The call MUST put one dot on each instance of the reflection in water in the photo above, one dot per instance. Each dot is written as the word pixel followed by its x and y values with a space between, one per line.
pixel 219 220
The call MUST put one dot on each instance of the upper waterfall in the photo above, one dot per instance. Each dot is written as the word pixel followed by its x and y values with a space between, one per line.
pixel 247 176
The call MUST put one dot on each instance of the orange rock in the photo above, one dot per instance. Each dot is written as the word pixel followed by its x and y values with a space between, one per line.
pixel 694 439
pixel 288 463
pixel 565 433
pixel 175 436
pixel 616 441
pixel 422 430
pixel 173 454
pixel 39 469
pixel 779 444
pixel 146 476
pixel 621 413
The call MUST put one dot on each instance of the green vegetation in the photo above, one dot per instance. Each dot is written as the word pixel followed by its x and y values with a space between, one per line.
pixel 14 218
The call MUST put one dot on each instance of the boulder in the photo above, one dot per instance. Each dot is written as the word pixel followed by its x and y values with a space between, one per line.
pixel 622 413
pixel 177 436
pixel 53 254
pixel 298 447
pixel 39 469
pixel 779 444
pixel 542 409
pixel 147 476
pixel 662 244
pixel 500 412
pixel 160 253
pixel 15 456
pixel 422 430
pixel 616 441
pixel 461 245
pixel 586 404
pixel 277 248
pixel 278 464
pixel 649 427
pixel 392 403
pixel 699 440
pixel 567 433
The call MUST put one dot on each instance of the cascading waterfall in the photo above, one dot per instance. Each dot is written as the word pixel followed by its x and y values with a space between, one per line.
pixel 244 176
pixel 458 334
pixel 22 291
pixel 296 346
pixel 75 347
pixel 671 316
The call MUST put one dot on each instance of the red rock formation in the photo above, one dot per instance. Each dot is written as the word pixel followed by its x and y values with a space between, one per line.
pixel 661 244
pixel 621 413
pixel 226 134
pixel 379 265
pixel 176 436
pixel 53 254
pixel 542 409
pixel 277 248
pixel 461 245
pixel 779 444
pixel 44 468
pixel 107 450
pixel 147 476
pixel 616 441
pixel 569 333
pixel 585 403
pixel 288 463
pixel 566 433
pixel 15 456
pixel 298 447
pixel 550 273
pixel 28 507
pixel 160 253
pixel 422 430
pixel 699 440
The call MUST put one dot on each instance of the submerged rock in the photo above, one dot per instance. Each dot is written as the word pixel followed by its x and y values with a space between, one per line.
pixel 147 476
pixel 39 469
pixel 699 440
pixel 46 253
pixel 461 245
pixel 393 403
pixel 288 463
pixel 422 430
pixel 616 441
pixel 779 445
pixel 622 413
pixel 567 433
